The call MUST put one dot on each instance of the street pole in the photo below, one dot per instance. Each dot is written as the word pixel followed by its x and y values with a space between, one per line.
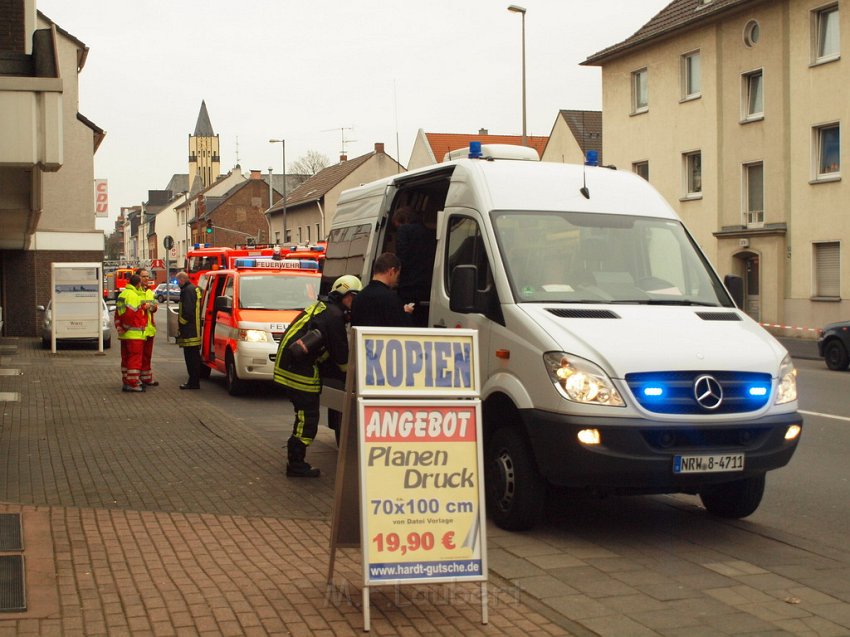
pixel 521 10
pixel 282 143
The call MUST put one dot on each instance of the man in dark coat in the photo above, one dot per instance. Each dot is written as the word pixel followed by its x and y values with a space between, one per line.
pixel 189 329
pixel 415 246
pixel 378 304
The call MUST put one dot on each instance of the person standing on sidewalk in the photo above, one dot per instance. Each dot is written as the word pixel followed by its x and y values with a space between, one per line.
pixel 379 305
pixel 146 293
pixel 314 345
pixel 130 322
pixel 189 329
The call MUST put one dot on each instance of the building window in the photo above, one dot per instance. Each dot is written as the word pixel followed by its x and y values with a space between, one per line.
pixel 640 91
pixel 753 85
pixel 691 75
pixel 754 193
pixel 827 269
pixel 827 150
pixel 693 173
pixel 641 168
pixel 751 33
pixel 826 37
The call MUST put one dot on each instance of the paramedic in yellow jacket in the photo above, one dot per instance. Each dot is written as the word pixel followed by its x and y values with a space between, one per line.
pixel 146 293
pixel 130 322
pixel 314 344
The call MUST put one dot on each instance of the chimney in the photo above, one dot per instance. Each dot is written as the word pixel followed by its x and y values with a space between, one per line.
pixel 483 131
pixel 379 148
pixel 256 174
pixel 343 158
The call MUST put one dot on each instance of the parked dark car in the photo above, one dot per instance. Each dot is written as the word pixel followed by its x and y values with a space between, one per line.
pixel 173 292
pixel 834 345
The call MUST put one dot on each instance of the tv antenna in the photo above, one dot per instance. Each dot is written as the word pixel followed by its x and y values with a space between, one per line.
pixel 237 150
pixel 343 140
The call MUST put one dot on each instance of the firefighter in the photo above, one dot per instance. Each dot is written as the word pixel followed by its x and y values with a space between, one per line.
pixel 314 345
pixel 146 293
pixel 189 329
pixel 130 322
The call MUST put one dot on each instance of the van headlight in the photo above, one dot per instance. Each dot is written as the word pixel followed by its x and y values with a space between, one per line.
pixel 787 389
pixel 253 336
pixel 580 380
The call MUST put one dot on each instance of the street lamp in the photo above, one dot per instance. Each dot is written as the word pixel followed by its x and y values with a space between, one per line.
pixel 521 10
pixel 282 143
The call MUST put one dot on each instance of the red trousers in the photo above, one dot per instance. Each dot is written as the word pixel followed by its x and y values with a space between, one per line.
pixel 131 361
pixel 147 352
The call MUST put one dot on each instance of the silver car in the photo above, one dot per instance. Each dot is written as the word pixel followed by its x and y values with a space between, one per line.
pixel 47 327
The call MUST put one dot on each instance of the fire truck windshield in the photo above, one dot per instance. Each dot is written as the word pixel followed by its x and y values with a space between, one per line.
pixel 273 292
pixel 204 264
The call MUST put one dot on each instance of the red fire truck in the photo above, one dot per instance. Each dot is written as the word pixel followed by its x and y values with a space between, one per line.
pixel 244 312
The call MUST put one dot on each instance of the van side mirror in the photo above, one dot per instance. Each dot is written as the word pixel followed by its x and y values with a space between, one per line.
pixel 735 285
pixel 223 304
pixel 462 299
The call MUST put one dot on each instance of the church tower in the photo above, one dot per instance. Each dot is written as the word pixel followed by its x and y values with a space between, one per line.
pixel 204 156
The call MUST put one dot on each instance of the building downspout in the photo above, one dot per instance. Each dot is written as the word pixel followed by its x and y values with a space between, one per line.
pixel 321 219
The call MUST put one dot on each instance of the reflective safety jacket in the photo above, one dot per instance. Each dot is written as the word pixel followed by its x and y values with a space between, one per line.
pixel 130 319
pixel 305 374
pixel 189 316
pixel 147 295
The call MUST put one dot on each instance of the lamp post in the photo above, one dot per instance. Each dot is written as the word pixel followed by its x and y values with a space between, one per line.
pixel 185 193
pixel 282 143
pixel 271 203
pixel 521 10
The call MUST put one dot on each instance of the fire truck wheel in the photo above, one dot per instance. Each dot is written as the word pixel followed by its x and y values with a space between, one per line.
pixel 235 386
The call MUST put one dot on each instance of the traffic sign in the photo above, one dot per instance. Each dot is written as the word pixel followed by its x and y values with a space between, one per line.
pixel 168 242
pixel 158 264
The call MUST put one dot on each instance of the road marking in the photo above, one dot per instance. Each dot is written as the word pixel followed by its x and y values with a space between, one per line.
pixel 816 413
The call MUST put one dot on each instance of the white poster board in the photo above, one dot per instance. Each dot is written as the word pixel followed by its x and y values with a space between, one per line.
pixel 76 305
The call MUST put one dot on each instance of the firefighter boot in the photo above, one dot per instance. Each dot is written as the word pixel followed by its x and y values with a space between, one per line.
pixel 296 466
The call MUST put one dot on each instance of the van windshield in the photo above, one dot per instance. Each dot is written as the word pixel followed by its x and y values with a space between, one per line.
pixel 604 258
pixel 276 292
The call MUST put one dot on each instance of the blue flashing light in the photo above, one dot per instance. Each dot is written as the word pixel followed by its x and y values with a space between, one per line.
pixel 245 263
pixel 757 391
pixel 592 158
pixel 653 392
pixel 475 150
pixel 317 248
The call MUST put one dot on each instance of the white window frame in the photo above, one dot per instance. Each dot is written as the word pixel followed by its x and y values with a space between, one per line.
pixel 640 84
pixel 753 216
pixel 826 269
pixel 636 168
pixel 748 110
pixel 821 17
pixel 692 180
pixel 822 171
pixel 691 68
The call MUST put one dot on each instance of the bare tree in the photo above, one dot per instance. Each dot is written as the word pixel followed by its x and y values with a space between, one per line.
pixel 309 164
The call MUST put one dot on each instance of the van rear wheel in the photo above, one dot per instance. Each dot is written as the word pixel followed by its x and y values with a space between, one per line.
pixel 516 494
pixel 836 356
pixel 736 499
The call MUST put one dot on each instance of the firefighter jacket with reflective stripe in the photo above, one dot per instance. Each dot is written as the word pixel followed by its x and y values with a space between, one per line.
pixel 147 295
pixel 189 316
pixel 130 319
pixel 304 374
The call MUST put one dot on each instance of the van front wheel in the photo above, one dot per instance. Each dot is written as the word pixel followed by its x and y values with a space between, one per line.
pixel 736 499
pixel 516 494
pixel 235 386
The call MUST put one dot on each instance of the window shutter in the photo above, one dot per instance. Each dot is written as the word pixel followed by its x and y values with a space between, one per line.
pixel 827 269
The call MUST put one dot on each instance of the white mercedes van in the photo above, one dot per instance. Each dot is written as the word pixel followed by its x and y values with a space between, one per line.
pixel 613 358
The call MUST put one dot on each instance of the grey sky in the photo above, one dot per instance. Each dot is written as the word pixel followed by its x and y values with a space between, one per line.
pixel 381 69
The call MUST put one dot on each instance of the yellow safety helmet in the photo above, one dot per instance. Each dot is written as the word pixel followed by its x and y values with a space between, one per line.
pixel 347 284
